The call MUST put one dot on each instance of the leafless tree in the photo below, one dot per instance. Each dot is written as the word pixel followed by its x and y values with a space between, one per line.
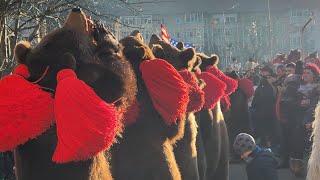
pixel 31 19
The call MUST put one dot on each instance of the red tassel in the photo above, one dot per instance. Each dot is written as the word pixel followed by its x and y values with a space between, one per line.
pixel 167 89
pixel 246 86
pixel 25 110
pixel 214 89
pixel 86 125
pixel 131 114
pixel 225 103
pixel 196 95
pixel 232 84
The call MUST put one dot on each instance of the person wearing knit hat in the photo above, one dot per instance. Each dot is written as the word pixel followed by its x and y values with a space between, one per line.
pixel 261 163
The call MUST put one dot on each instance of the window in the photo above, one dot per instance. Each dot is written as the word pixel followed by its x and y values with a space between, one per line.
pixel 178 34
pixel 136 20
pixel 162 20
pixel 193 17
pixel 230 20
pixel 178 20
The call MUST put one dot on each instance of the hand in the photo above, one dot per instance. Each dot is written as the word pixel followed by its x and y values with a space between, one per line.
pixel 281 89
pixel 305 102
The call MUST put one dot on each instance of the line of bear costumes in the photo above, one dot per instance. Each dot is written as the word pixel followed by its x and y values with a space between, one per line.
pixel 212 138
pixel 145 150
pixel 96 57
pixel 185 149
pixel 94 54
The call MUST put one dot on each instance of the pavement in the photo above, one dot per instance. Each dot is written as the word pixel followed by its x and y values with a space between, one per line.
pixel 238 172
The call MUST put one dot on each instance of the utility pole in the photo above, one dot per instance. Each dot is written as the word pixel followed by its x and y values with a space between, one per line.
pixel 302 38
pixel 270 30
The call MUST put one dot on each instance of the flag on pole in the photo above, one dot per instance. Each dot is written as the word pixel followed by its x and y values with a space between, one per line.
pixel 175 42
pixel 166 38
pixel 165 34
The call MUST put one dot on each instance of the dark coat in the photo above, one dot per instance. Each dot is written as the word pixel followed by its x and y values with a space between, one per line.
pixel 264 116
pixel 263 166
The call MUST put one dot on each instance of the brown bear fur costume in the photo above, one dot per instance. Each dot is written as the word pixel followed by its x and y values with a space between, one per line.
pixel 185 150
pixel 145 149
pixel 99 63
pixel 214 134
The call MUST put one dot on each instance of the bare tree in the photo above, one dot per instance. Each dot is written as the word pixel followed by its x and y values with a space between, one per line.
pixel 31 19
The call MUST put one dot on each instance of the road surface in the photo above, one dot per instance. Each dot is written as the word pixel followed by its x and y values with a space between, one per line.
pixel 238 172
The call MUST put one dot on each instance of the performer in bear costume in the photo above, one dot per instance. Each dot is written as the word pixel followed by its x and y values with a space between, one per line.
pixel 314 160
pixel 183 60
pixel 156 120
pixel 59 126
pixel 213 127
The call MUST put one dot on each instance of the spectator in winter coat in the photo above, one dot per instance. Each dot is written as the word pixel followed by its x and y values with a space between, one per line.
pixel 263 107
pixel 261 163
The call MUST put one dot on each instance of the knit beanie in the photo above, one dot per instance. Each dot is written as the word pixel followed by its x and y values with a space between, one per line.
pixel 243 143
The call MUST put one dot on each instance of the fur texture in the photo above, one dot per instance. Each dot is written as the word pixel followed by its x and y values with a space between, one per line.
pixel 145 149
pixel 185 150
pixel 314 160
pixel 100 64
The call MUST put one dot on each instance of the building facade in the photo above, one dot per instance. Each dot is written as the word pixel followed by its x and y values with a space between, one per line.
pixel 237 33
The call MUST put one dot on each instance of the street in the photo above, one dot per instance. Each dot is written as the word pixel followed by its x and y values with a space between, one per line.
pixel 238 172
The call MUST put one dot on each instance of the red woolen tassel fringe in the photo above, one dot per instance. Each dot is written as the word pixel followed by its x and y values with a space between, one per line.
pixel 25 110
pixel 246 86
pixel 232 84
pixel 214 89
pixel 131 114
pixel 196 95
pixel 86 125
pixel 167 89
pixel 225 103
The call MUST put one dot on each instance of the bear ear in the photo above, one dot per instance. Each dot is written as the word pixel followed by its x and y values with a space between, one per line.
pixel 214 60
pixel 158 51
pixel 137 52
pixel 188 54
pixel 21 51
pixel 137 34
pixel 77 21
pixel 69 61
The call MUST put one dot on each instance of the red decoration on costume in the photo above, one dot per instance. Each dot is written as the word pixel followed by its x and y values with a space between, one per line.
pixel 214 89
pixel 225 103
pixel 278 61
pixel 167 89
pixel 131 114
pixel 232 84
pixel 314 67
pixel 25 110
pixel 246 86
pixel 196 95
pixel 86 125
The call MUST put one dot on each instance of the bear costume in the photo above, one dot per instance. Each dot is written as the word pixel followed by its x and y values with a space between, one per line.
pixel 145 150
pixel 83 114
pixel 184 60
pixel 213 127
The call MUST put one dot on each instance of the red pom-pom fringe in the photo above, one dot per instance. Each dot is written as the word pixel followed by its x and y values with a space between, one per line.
pixel 246 86
pixel 196 95
pixel 167 89
pixel 232 84
pixel 22 70
pixel 225 103
pixel 86 125
pixel 214 89
pixel 131 114
pixel 25 110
